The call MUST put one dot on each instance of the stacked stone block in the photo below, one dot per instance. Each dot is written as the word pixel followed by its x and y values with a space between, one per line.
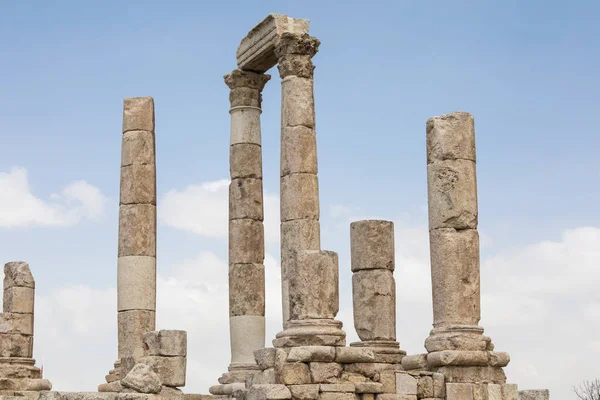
pixel 374 288
pixel 18 373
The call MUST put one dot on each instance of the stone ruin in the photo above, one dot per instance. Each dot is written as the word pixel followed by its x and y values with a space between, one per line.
pixel 309 359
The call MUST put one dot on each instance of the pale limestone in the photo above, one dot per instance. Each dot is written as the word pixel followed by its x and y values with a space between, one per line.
pixel 168 343
pixel 138 114
pixel 265 358
pixel 494 391
pixel 137 148
pixel 405 384
pixel 452 338
pixel 298 150
pixel 372 245
pixel 297 102
pixel 18 368
pixel 304 392
pixel 19 299
pixel 132 325
pixel 25 384
pixel 246 289
pixel 337 387
pixel 16 323
pixel 369 387
pixel 299 197
pixel 439 385
pixel 337 396
pixel 245 125
pixel 374 304
pixel 246 199
pixel 455 276
pixel 300 234
pixel 171 370
pixel 268 392
pixel 459 391
pixel 425 387
pixel 417 361
pixel 510 392
pixel 17 273
pixel 264 377
pixel 138 184
pixel 293 374
pixel 368 369
pixel 312 353
pixel 452 194
pixel 388 380
pixel 310 340
pixel 460 374
pixel 137 230
pixel 227 389
pixel 247 333
pixel 325 372
pixel 16 345
pixel 498 358
pixel 348 355
pixel 248 236
pixel 136 283
pixel 245 161
pixel 457 357
pixel 542 394
pixel 142 379
pixel 451 137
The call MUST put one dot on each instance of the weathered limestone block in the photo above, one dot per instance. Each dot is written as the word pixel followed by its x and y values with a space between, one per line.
pixel 459 391
pixel 142 379
pixel 304 392
pixel 138 114
pixel 16 345
pixel 137 148
pixel 264 377
pixel 19 368
pixel 245 161
pixel 299 197
pixel 297 102
pixel 245 124
pixel 439 385
pixel 494 391
pixel 19 299
pixel 265 358
pixel 256 52
pixel 295 51
pixel 268 392
pixel 313 285
pixel 388 380
pixel 169 343
pixel 227 389
pixel 416 361
pixel 452 194
pixel 455 276
pixel 346 387
pixel 459 374
pixel 337 396
pixel 300 234
pixel 132 325
pixel 17 273
pixel 170 370
pixel 498 358
pixel 510 392
pixel 370 370
pixel 457 357
pixel 425 387
pixel 136 280
pixel 137 230
pixel 540 394
pixel 458 339
pixel 372 245
pixel 248 235
pixel 16 323
pixel 369 387
pixel 246 289
pixel 24 384
pixel 235 376
pixel 293 374
pixel 390 396
pixel 374 304
pixel 312 339
pixel 325 372
pixel 246 199
pixel 112 387
pixel 247 333
pixel 405 384
pixel 138 184
pixel 312 353
pixel 349 355
pixel 451 137
pixel 298 150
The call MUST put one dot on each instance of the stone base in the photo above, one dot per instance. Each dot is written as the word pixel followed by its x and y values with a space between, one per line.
pixel 385 351
pixel 313 332
pixel 458 337
pixel 24 384
pixel 17 368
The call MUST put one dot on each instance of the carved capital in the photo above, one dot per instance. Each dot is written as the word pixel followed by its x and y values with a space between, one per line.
pixel 246 87
pixel 294 53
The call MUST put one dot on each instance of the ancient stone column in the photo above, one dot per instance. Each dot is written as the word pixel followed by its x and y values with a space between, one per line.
pixel 374 288
pixel 309 276
pixel 246 232
pixel 136 268
pixel 456 339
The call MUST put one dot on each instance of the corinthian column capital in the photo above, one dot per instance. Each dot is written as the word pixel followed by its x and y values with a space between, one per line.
pixel 246 87
pixel 295 53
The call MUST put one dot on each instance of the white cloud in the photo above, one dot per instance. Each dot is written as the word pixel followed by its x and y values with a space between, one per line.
pixel 203 209
pixel 19 207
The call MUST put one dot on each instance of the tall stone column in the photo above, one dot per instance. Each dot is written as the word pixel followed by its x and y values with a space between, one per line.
pixel 374 288
pixel 309 276
pixel 456 340
pixel 246 231
pixel 136 266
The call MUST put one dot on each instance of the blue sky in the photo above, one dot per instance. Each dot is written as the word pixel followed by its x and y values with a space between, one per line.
pixel 526 70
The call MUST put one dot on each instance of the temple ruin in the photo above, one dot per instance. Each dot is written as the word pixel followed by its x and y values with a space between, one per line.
pixel 309 358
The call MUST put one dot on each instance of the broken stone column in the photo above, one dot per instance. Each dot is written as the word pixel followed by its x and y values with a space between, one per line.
pixel 309 276
pixel 374 288
pixel 18 372
pixel 246 231
pixel 136 266
pixel 456 343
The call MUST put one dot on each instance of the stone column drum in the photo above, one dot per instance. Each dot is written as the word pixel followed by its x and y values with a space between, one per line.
pixel 136 268
pixel 309 276
pixel 374 288
pixel 246 231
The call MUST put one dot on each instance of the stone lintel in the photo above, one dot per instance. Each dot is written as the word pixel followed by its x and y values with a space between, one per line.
pixel 256 52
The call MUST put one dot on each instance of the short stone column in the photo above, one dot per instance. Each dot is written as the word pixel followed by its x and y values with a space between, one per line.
pixel 456 339
pixel 136 265
pixel 309 276
pixel 246 231
pixel 18 372
pixel 374 288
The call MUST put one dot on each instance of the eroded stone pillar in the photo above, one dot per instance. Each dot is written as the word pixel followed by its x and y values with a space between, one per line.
pixel 374 288
pixel 309 275
pixel 456 341
pixel 136 266
pixel 246 231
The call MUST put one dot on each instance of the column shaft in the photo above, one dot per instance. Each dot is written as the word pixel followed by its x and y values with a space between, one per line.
pixel 136 268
